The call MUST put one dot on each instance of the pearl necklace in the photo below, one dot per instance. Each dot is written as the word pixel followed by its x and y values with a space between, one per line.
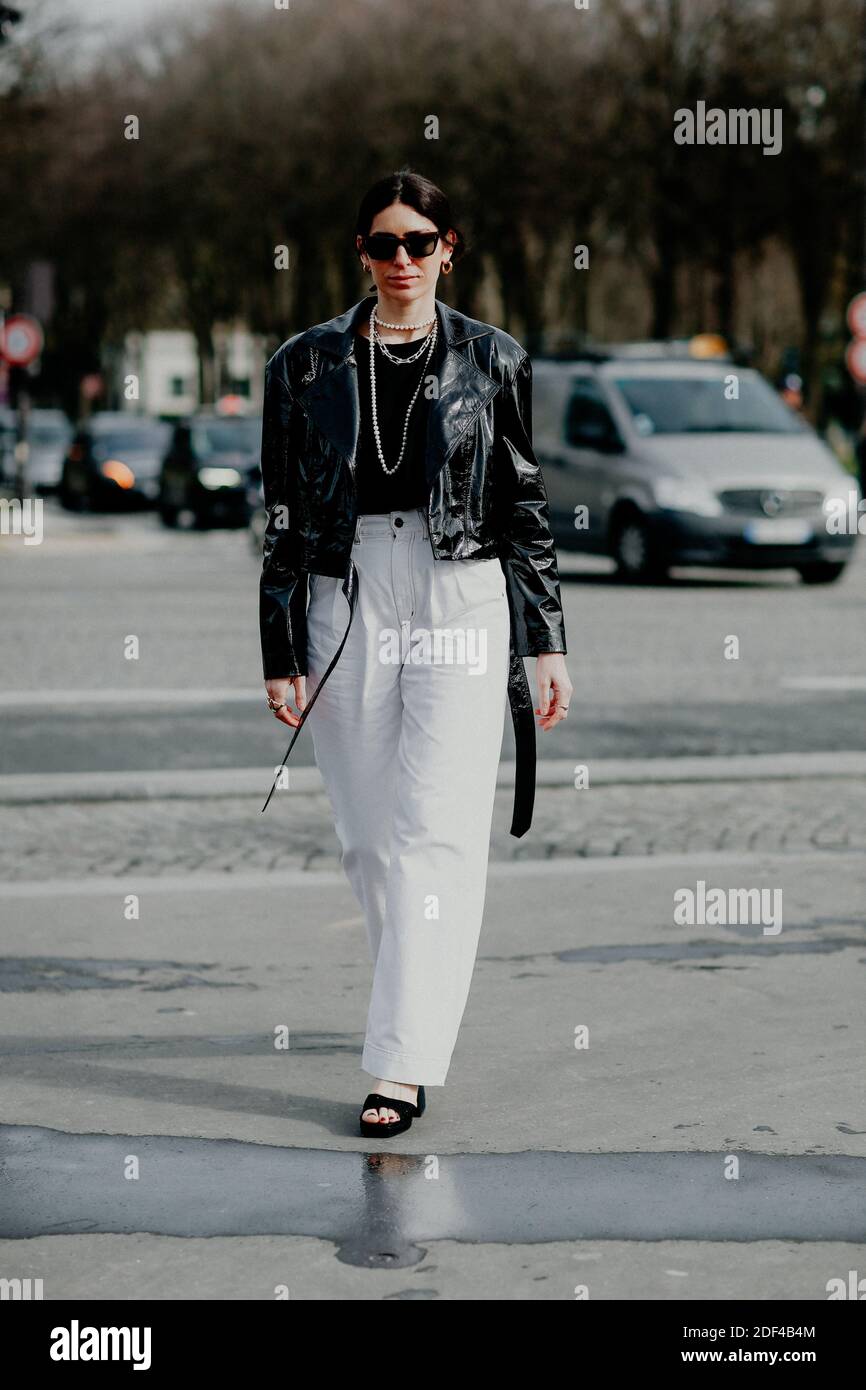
pixel 427 346
pixel 425 323
pixel 376 336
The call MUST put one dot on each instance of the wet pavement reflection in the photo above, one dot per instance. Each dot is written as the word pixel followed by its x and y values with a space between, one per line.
pixel 379 1208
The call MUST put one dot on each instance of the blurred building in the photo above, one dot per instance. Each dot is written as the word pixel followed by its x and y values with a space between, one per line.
pixel 165 363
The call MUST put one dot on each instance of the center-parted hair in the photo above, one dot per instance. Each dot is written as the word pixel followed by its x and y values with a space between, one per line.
pixel 416 192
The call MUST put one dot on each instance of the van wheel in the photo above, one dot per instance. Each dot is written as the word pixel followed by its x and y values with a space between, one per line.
pixel 826 572
pixel 635 551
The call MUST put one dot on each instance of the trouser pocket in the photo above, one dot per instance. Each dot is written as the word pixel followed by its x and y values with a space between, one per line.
pixel 465 585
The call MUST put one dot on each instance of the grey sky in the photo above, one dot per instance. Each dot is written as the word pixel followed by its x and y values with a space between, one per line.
pixel 130 11
pixel 129 14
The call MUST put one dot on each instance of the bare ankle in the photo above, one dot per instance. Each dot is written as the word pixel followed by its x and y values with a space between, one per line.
pixel 398 1090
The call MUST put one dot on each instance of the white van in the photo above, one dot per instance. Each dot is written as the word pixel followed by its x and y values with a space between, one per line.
pixel 665 462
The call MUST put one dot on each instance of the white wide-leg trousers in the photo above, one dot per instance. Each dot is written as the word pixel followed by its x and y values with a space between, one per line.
pixel 407 732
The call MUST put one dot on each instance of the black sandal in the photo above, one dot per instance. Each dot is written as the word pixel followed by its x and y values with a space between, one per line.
pixel 404 1108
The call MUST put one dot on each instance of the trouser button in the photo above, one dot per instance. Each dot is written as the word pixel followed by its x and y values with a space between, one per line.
pixel 398 521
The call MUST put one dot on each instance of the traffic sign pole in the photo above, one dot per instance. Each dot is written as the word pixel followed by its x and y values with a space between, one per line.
pixel 21 342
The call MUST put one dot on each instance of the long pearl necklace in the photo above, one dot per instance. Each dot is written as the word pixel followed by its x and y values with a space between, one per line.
pixel 427 346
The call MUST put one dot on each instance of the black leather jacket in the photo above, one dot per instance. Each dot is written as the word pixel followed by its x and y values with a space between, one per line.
pixel 487 496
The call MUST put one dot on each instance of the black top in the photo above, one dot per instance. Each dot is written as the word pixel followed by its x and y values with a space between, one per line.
pixel 406 487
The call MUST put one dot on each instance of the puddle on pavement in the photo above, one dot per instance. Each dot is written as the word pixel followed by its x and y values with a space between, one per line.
pixel 24 974
pixel 706 950
pixel 177 1045
pixel 379 1208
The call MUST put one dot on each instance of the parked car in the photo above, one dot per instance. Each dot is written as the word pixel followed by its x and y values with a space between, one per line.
pixel 49 433
pixel 113 462
pixel 258 524
pixel 255 496
pixel 211 463
pixel 661 462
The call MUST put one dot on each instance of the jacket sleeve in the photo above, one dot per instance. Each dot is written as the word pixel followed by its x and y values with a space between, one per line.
pixel 529 556
pixel 282 589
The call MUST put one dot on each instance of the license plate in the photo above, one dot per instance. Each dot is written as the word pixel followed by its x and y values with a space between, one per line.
pixel 769 531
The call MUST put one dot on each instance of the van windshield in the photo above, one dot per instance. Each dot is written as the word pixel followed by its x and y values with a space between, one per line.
pixel 700 405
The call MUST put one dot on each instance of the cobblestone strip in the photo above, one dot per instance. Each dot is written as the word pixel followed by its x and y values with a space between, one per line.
pixel 77 840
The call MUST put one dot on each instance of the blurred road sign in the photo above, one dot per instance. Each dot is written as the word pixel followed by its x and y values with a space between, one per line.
pixel 856 315
pixel 855 360
pixel 21 340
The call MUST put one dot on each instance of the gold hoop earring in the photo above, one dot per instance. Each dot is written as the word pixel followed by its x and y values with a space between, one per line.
pixel 447 267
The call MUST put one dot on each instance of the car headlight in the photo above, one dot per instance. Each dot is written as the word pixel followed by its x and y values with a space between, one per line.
pixel 119 473
pixel 681 495
pixel 219 477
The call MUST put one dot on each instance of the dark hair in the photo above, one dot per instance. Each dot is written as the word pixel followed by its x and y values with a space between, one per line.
pixel 416 192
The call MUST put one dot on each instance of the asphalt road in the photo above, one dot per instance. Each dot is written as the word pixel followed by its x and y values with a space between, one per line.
pixel 540 1166
pixel 154 1036
pixel 649 664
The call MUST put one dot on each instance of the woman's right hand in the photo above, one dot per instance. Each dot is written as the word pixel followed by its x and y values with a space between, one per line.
pixel 282 692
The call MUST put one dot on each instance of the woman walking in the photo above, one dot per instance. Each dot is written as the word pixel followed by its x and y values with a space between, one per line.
pixel 408 569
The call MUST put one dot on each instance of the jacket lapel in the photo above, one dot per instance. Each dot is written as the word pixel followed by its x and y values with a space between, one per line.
pixel 332 404
pixel 332 401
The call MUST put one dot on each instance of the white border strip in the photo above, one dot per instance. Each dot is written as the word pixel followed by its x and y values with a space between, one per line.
pixel 191 784
pixel 315 879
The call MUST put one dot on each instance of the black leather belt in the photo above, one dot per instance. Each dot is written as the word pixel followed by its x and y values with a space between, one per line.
pixel 522 718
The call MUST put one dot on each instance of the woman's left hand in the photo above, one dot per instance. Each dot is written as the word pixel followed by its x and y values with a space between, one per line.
pixel 554 688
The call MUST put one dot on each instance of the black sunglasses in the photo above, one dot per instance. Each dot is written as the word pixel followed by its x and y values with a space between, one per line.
pixel 382 246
